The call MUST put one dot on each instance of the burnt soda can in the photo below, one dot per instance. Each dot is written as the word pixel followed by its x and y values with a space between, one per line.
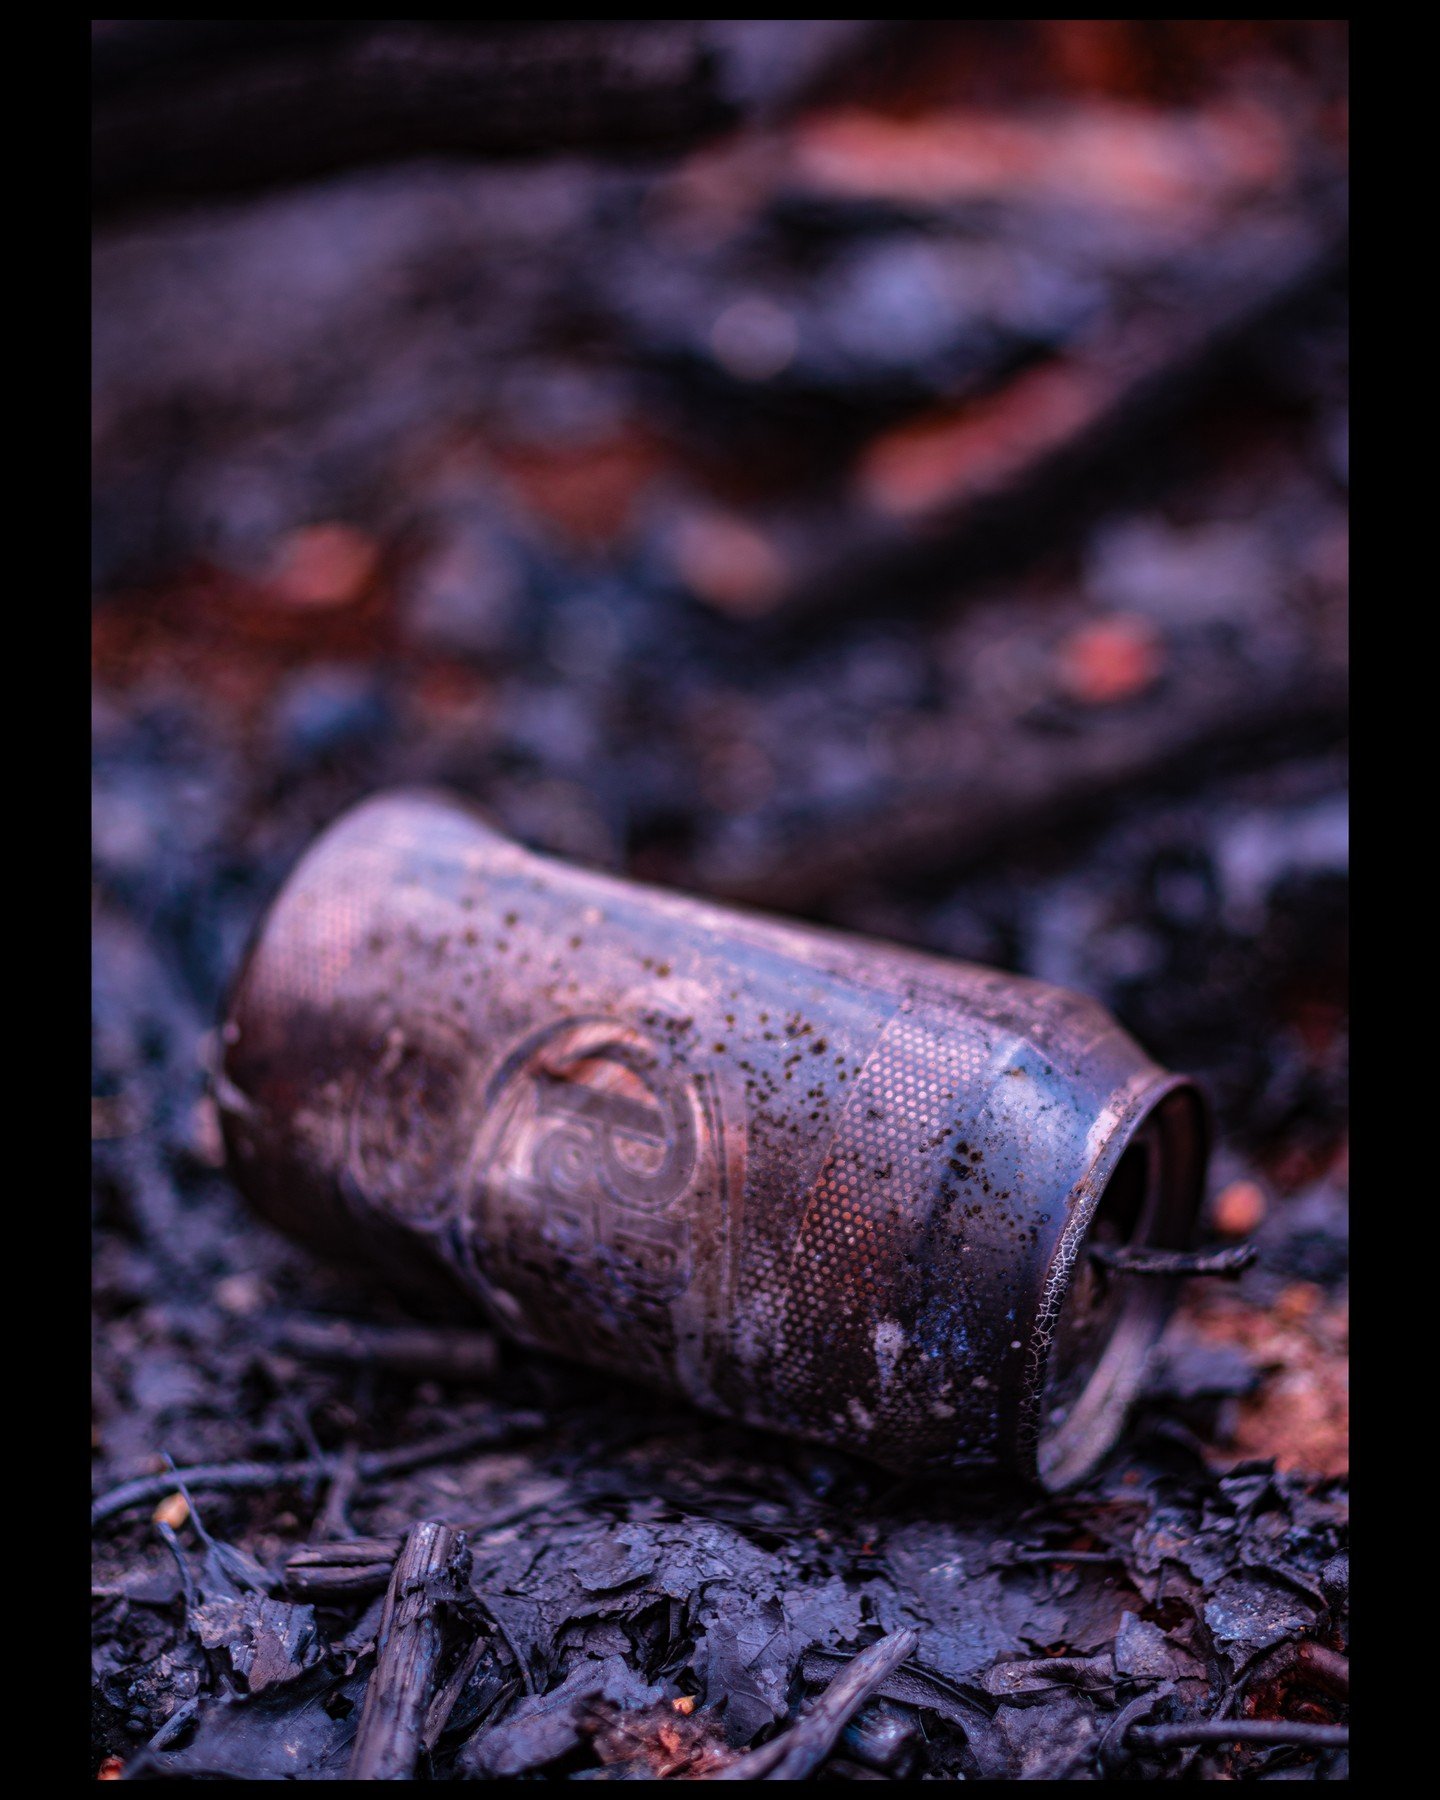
pixel 824 1185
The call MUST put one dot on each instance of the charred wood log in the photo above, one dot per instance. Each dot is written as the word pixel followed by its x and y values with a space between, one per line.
pixel 194 106
pixel 974 480
pixel 429 1577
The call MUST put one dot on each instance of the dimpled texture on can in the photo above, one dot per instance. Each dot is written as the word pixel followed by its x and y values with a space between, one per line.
pixel 847 1352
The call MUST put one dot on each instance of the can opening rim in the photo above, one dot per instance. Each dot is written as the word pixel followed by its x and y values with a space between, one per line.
pixel 1095 1339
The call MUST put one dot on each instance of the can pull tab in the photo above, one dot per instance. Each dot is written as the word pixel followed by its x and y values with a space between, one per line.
pixel 1143 1259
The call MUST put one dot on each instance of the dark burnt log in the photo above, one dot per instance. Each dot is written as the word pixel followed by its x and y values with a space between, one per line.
pixel 969 486
pixel 971 794
pixel 186 107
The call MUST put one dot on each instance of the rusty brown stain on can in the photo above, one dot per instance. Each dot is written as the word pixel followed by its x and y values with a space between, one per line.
pixel 825 1185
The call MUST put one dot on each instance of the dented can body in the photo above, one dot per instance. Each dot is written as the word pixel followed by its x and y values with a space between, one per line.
pixel 816 1183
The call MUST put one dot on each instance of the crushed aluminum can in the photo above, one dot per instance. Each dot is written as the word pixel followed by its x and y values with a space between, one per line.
pixel 821 1184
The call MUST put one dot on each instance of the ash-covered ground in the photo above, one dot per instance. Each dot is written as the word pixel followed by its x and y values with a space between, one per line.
pixel 919 506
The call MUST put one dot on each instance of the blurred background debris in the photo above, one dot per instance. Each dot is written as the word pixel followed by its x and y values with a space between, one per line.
pixel 893 472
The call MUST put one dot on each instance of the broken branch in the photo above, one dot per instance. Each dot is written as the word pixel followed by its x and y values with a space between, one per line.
pixel 430 1571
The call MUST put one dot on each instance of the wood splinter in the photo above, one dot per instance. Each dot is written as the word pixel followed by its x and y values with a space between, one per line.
pixel 430 1576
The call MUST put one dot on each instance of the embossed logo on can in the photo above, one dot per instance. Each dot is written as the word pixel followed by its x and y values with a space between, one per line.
pixel 596 1195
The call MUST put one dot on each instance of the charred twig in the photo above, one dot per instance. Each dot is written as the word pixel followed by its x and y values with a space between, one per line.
pixel 334 1520
pixel 912 1687
pixel 187 1580
pixel 444 1355
pixel 527 1680
pixel 1145 1259
pixel 1110 1751
pixel 361 1636
pixel 430 1571
pixel 797 1753
pixel 1239 1731
pixel 174 1725
pixel 970 1710
pixel 1311 1664
pixel 257 1477
pixel 341 1571
pixel 480 1434
pixel 444 1703
pixel 1022 1558
pixel 1308 1663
